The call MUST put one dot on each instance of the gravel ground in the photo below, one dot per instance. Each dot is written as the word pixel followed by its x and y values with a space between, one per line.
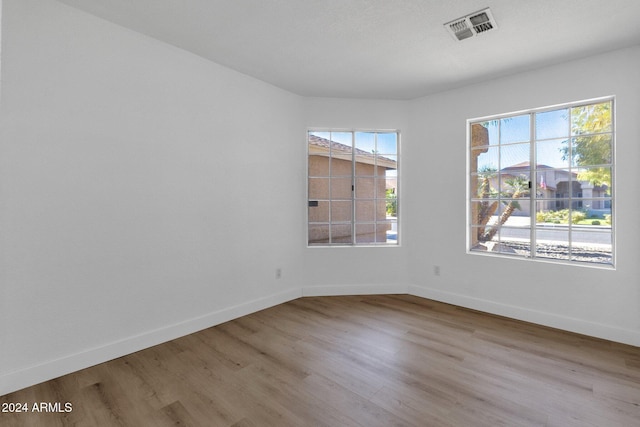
pixel 588 254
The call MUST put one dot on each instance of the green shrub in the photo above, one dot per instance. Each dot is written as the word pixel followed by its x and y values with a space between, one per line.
pixel 595 222
pixel 578 216
pixel 561 216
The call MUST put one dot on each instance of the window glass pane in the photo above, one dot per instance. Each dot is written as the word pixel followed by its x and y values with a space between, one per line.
pixel 483 134
pixel 341 211
pixel 513 229
pixel 385 232
pixel 342 140
pixel 545 183
pixel 365 165
pixel 365 142
pixel 386 164
pixel 341 153
pixel 558 181
pixel 515 129
pixel 341 188
pixel 514 186
pixel 391 232
pixel 365 188
pixel 552 124
pixel 594 212
pixel 341 233
pixel 319 134
pixel 381 187
pixel 592 150
pixel 485 185
pixel 591 244
pixel 387 144
pixel 318 147
pixel 548 213
pixel 561 204
pixel 591 119
pixel 365 210
pixel 366 233
pixel 514 241
pixel 514 213
pixel 552 242
pixel 493 132
pixel 483 213
pixel 596 182
pixel 391 205
pixel 488 233
pixel 318 165
pixel 503 239
pixel 318 188
pixel 391 181
pixel 552 153
pixel 487 159
pixel 341 165
pixel 514 157
pixel 381 209
pixel 319 213
pixel 318 234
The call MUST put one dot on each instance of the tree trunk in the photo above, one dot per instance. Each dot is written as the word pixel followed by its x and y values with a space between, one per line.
pixel 511 207
pixel 486 210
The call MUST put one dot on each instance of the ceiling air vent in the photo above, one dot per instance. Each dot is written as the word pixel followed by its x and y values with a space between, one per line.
pixel 471 25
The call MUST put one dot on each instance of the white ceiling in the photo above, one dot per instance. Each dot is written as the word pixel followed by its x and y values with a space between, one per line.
pixel 392 49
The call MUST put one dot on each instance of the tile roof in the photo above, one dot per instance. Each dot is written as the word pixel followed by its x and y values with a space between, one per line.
pixel 336 146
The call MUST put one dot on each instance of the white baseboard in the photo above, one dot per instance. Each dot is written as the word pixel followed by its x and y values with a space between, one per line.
pixel 569 324
pixel 26 377
pixel 334 290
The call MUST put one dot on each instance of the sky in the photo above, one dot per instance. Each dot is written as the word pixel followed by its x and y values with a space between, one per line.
pixel 509 140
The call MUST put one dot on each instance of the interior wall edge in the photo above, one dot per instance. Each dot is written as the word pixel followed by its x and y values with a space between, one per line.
pixel 569 324
pixel 32 375
pixel 336 290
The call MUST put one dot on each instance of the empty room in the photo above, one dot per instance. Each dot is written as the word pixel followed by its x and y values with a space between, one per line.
pixel 319 213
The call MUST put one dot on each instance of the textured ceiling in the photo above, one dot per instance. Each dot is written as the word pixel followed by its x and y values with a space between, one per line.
pixel 391 49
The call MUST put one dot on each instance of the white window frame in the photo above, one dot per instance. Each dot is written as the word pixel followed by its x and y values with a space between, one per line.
pixel 533 196
pixel 395 224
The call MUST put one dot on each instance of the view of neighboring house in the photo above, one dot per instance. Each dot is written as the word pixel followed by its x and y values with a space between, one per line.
pixel 555 187
pixel 348 193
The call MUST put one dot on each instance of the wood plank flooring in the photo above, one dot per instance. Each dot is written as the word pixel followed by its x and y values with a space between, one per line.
pixel 392 360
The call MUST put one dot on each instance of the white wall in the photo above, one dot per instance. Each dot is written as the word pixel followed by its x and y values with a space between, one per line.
pixel 145 192
pixel 593 301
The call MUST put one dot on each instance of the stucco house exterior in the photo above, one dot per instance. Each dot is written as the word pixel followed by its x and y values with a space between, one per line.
pixel 554 188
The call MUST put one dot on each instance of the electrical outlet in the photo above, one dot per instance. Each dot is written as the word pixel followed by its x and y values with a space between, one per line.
pixel 436 270
pixel 278 273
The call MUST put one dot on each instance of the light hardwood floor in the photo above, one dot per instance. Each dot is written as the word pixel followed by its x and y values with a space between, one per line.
pixel 392 360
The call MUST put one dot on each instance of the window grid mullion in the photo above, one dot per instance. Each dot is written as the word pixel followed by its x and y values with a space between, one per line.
pixel 570 221
pixel 533 191
pixel 353 188
pixel 375 187
pixel 330 185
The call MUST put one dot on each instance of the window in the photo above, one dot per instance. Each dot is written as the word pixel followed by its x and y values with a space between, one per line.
pixel 541 184
pixel 352 188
